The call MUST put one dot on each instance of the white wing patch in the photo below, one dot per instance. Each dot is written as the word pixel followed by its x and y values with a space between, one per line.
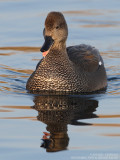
pixel 100 63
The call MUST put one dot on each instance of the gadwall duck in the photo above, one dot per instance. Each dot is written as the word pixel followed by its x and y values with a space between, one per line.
pixel 77 68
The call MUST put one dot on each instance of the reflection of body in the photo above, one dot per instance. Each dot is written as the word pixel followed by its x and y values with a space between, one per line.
pixel 59 111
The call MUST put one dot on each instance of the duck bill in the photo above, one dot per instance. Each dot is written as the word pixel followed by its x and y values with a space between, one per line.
pixel 47 44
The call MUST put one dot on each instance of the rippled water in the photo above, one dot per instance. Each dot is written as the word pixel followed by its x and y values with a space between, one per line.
pixel 81 127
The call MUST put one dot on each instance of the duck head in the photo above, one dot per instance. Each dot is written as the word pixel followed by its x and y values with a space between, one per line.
pixel 55 32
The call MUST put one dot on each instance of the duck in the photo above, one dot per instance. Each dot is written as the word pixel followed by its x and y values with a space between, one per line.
pixel 78 68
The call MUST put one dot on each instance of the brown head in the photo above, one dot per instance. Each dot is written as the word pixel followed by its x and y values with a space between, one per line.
pixel 55 31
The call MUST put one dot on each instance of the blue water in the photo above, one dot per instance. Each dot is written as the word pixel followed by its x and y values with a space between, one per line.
pixel 87 126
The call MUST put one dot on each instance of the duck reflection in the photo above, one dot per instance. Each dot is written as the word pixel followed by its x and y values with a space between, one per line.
pixel 59 111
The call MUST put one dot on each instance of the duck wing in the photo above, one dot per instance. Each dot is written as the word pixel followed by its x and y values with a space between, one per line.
pixel 85 56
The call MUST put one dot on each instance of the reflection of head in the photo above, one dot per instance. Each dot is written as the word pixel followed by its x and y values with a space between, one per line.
pixel 59 111
pixel 57 127
pixel 56 142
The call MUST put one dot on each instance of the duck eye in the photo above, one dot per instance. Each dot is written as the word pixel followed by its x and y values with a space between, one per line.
pixel 57 27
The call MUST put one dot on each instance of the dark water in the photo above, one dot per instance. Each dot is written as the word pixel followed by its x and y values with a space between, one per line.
pixel 80 126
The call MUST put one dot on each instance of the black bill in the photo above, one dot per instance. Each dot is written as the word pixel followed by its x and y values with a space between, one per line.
pixel 47 44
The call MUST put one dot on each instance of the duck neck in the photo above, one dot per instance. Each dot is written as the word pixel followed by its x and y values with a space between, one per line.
pixel 58 49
